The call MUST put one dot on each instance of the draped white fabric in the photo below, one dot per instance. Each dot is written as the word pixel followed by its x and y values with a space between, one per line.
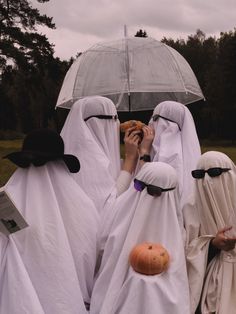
pixel 141 217
pixel 212 207
pixel 17 294
pixel 178 147
pixel 59 248
pixel 96 144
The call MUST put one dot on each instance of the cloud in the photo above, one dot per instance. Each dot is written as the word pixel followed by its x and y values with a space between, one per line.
pixel 82 23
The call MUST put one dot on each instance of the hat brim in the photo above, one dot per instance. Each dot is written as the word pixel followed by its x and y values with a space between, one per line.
pixel 23 159
pixel 72 163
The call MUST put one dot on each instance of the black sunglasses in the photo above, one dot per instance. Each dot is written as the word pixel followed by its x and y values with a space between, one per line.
pixel 102 116
pixel 157 116
pixel 151 189
pixel 212 172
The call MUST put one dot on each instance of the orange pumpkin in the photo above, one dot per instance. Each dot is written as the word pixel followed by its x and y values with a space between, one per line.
pixel 131 123
pixel 149 258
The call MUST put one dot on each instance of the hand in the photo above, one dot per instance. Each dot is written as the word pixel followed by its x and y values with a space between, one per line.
pixel 146 143
pixel 222 242
pixel 131 140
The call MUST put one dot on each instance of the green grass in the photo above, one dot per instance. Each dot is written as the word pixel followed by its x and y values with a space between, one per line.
pixel 228 150
pixel 7 167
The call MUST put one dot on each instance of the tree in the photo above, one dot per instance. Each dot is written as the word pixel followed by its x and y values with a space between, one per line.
pixel 28 98
pixel 30 75
pixel 200 52
pixel 141 33
pixel 19 40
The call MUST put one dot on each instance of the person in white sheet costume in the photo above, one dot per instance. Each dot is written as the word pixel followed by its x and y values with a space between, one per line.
pixel 208 217
pixel 142 217
pixel 91 132
pixel 59 248
pixel 176 143
pixel 17 294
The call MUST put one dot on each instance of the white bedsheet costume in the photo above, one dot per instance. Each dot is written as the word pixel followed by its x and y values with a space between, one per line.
pixel 176 143
pixel 212 207
pixel 96 142
pixel 57 253
pixel 141 217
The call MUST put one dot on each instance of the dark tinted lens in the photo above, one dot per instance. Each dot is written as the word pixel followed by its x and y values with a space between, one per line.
pixel 155 117
pixel 198 174
pixel 214 172
pixel 154 190
pixel 139 185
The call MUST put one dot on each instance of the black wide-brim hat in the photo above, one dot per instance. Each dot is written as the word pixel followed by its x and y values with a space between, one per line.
pixel 41 146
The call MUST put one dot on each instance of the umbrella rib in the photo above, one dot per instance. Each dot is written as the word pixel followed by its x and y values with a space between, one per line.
pixel 177 66
pixel 81 56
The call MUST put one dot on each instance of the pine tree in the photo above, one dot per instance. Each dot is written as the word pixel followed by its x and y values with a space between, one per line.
pixel 141 33
pixel 19 40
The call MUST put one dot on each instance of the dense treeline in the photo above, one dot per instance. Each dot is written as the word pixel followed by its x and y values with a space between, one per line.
pixel 214 64
pixel 31 77
pixel 28 95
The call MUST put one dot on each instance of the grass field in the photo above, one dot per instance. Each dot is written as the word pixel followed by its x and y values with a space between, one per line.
pixel 7 168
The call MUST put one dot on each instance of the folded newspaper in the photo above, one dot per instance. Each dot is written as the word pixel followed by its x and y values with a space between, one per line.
pixel 11 219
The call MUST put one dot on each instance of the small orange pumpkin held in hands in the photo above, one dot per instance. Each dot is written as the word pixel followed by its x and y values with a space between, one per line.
pixel 131 123
pixel 149 258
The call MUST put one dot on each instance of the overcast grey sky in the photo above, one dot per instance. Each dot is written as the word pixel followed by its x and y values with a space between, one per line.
pixel 83 23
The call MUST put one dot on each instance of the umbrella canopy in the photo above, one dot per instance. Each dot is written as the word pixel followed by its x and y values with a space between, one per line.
pixel 135 73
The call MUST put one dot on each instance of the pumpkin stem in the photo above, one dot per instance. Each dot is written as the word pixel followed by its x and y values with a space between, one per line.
pixel 150 247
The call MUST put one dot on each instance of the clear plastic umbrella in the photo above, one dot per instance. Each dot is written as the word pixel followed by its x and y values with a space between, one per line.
pixel 136 73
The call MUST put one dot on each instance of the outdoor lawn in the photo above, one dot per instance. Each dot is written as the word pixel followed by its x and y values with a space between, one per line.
pixel 7 168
